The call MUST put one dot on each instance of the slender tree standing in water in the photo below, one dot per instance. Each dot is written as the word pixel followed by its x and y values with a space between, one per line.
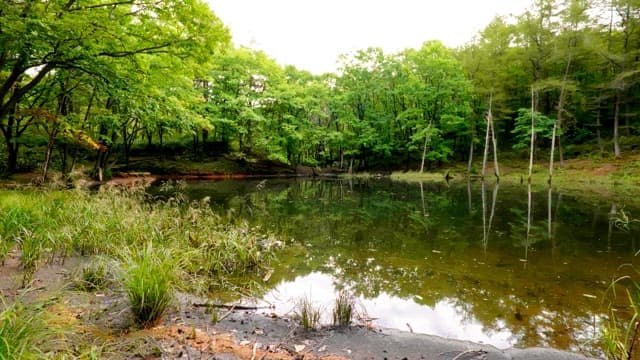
pixel 533 134
pixel 490 133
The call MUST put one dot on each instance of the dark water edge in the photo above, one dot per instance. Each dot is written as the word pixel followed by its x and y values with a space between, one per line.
pixel 464 261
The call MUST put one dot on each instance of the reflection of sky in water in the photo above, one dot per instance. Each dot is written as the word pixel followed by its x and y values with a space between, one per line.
pixel 444 319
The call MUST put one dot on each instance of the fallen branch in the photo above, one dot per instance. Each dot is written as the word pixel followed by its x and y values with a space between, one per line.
pixel 232 307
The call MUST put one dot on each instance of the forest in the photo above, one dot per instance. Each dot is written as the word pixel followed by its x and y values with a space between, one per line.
pixel 95 82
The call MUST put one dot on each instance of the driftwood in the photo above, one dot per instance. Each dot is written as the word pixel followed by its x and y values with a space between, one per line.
pixel 231 307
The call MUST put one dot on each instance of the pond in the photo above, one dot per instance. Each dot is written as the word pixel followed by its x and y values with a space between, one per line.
pixel 492 264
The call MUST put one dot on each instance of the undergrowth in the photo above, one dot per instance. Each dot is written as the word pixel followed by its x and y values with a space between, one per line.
pixel 22 332
pixel 159 244
pixel 49 226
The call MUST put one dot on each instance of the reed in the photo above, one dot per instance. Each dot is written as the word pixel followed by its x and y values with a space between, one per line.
pixel 343 309
pixel 308 314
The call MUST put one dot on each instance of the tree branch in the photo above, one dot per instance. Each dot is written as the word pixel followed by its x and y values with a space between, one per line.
pixel 156 49
pixel 97 6
pixel 20 92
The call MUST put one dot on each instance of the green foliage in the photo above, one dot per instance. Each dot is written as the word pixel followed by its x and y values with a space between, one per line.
pixel 543 127
pixel 98 92
pixel 148 279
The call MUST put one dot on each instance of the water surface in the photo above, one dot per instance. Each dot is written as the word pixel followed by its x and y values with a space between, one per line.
pixel 497 265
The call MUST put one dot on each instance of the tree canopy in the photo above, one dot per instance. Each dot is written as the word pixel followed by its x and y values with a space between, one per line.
pixel 92 80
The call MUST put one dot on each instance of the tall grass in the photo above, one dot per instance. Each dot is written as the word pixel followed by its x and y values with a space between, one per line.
pixel 148 278
pixel 308 314
pixel 343 309
pixel 622 338
pixel 51 225
pixel 22 332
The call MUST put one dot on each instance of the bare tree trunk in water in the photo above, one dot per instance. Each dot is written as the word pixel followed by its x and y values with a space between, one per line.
pixel 496 169
pixel 486 152
pixel 533 134
pixel 553 145
pixel 558 123
pixel 424 152
pixel 486 137
pixel 616 126
pixel 424 148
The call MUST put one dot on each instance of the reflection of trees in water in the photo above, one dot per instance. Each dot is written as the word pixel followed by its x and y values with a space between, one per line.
pixel 429 240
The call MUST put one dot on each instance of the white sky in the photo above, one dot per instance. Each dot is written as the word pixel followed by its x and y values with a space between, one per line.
pixel 311 34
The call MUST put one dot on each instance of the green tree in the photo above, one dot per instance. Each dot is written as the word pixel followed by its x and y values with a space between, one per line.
pixel 39 37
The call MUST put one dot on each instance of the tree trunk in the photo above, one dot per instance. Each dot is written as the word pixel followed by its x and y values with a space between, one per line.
pixel 553 144
pixel 424 150
pixel 559 117
pixel 598 125
pixel 496 169
pixel 470 163
pixel 616 126
pixel 473 137
pixel 486 138
pixel 64 158
pixel 533 133
pixel 12 159
pixel 12 145
pixel 149 135
pixel 486 151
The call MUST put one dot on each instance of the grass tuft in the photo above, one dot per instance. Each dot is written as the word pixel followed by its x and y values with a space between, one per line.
pixel 149 275
pixel 308 314
pixel 343 309
pixel 93 276
pixel 22 332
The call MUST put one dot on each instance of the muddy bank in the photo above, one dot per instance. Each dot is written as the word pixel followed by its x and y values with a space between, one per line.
pixel 192 331
pixel 359 342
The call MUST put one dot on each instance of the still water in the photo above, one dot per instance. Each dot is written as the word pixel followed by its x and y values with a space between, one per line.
pixel 486 263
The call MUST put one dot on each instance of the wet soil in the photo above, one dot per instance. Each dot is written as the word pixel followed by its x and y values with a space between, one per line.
pixel 190 330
